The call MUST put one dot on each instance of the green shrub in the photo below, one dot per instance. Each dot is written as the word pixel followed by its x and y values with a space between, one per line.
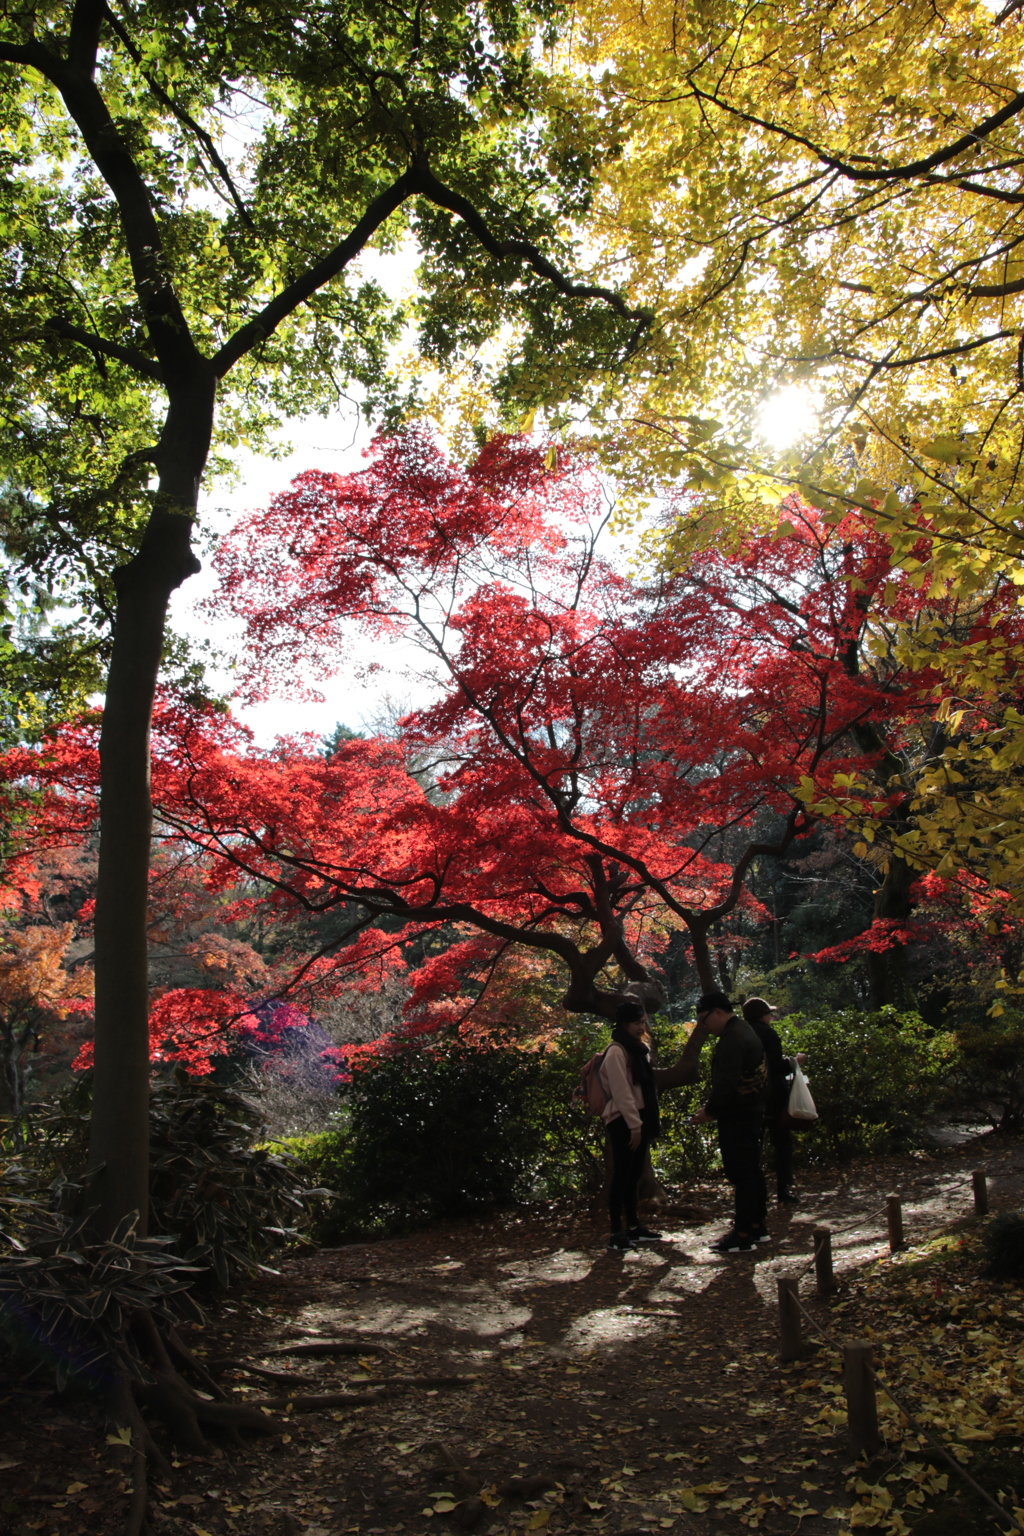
pixel 434 1132
pixel 1004 1246
pixel 876 1079
pixel 988 1075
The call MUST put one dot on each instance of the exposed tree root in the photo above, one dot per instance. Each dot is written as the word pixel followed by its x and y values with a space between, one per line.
pixel 390 1386
pixel 463 1482
pixel 177 1346
pixel 526 1487
pixel 186 1414
pixel 285 1378
pixel 326 1400
pixel 327 1347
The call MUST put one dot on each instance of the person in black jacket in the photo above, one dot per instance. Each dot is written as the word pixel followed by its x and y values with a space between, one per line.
pixel 739 1093
pixel 758 1015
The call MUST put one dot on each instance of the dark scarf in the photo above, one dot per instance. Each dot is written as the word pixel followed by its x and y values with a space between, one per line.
pixel 642 1073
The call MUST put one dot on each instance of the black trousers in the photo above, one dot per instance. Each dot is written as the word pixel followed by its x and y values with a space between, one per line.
pixel 627 1166
pixel 739 1140
pixel 781 1138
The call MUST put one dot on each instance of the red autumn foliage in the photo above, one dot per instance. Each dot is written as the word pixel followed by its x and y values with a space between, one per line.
pixel 596 744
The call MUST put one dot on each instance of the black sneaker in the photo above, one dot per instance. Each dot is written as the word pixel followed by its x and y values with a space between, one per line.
pixel 621 1241
pixel 723 1243
pixel 741 1243
pixel 788 1197
pixel 644 1235
pixel 761 1235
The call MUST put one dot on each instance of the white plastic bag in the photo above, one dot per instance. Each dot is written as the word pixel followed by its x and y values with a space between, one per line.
pixel 800 1108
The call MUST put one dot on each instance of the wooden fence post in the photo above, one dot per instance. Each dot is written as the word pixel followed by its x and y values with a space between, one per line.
pixel 789 1318
pixel 980 1183
pixel 894 1220
pixel 861 1408
pixel 822 1239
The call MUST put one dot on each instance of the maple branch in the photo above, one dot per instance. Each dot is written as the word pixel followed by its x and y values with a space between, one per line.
pixel 752 852
pixel 130 356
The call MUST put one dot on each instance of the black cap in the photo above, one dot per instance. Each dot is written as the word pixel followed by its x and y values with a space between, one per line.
pixel 756 1008
pixel 712 1000
pixel 628 1013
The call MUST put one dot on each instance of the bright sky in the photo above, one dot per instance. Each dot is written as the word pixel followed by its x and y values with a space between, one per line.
pixel 336 443
pixel 356 694
pixel 369 675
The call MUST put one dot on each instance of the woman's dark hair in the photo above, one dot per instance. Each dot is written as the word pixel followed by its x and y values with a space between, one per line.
pixel 639 1056
pixel 628 1013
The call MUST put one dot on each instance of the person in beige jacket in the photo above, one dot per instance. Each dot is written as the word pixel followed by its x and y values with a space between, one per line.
pixel 631 1121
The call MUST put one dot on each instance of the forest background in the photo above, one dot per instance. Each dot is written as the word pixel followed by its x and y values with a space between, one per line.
pixel 778 748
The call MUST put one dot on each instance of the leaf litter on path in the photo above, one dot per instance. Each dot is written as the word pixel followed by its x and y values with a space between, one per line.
pixel 599 1393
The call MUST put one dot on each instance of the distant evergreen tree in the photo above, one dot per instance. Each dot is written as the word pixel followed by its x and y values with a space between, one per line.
pixel 338 737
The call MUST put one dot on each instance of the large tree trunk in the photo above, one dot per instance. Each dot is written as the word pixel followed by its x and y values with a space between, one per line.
pixel 119 1136
pixel 889 970
pixel 10 1078
pixel 702 957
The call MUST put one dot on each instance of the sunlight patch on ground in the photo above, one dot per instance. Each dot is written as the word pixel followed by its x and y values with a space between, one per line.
pixel 487 1316
pixel 561 1266
pixel 861 1237
pixel 607 1325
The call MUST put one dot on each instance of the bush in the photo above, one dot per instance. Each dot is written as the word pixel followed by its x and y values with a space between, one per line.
pixel 434 1132
pixel 225 1202
pixel 1004 1246
pixel 221 1200
pixel 876 1079
pixel 66 1302
pixel 988 1076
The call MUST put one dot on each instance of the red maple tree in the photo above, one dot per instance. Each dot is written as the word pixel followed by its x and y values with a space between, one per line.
pixel 595 745
pixel 593 737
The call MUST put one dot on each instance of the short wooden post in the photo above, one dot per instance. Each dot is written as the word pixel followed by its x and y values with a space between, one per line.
pixel 980 1183
pixel 789 1318
pixel 822 1239
pixel 861 1408
pixel 894 1219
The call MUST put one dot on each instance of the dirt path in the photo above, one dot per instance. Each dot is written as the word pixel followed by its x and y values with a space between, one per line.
pixel 643 1388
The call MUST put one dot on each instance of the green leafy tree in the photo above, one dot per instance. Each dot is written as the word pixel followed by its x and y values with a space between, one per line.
pixel 187 191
